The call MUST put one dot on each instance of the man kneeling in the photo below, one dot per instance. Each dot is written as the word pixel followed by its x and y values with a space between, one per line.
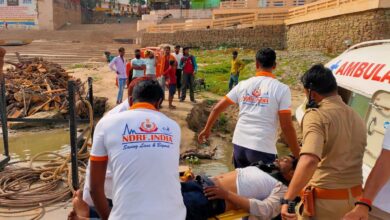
pixel 256 189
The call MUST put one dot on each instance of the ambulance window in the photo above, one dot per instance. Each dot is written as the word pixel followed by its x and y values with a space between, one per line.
pixel 360 104
pixel 345 94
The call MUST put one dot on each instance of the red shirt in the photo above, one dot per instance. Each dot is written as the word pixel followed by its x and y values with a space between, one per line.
pixel 170 73
pixel 128 68
pixel 188 67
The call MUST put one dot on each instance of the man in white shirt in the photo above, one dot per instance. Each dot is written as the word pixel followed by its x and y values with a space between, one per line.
pixel 179 71
pixel 142 145
pixel 263 102
pixel 150 62
pixel 120 69
pixel 138 65
pixel 124 106
pixel 377 189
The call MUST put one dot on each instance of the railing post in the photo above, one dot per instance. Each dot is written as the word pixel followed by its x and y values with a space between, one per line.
pixel 90 99
pixel 4 114
pixel 73 134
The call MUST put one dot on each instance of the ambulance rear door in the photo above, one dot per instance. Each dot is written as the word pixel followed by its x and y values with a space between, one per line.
pixel 378 119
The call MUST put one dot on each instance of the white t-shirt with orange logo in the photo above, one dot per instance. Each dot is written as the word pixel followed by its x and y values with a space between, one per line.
pixel 260 99
pixel 143 148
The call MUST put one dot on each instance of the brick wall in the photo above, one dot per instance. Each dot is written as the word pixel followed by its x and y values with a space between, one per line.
pixel 328 35
pixel 270 36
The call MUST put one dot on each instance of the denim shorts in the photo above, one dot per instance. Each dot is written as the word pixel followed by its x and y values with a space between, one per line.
pixel 172 90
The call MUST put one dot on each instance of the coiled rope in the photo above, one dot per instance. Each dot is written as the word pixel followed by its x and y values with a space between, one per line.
pixel 46 180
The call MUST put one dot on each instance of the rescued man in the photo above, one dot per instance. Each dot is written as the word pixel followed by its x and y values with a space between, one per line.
pixel 377 189
pixel 263 102
pixel 142 145
pixel 256 189
pixel 329 172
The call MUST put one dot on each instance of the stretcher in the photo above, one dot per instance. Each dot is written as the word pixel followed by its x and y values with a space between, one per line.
pixel 231 215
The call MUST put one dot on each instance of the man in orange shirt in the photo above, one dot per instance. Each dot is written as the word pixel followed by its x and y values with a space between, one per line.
pixel 164 65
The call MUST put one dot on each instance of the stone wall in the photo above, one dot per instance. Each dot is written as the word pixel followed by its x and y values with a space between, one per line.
pixel 329 34
pixel 262 36
pixel 66 11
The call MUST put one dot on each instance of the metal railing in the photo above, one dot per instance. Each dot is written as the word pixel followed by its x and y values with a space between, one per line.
pixel 74 139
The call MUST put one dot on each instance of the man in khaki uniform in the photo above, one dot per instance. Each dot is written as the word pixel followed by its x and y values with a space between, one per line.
pixel 334 140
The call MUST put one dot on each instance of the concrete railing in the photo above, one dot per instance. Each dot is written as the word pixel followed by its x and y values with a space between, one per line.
pixel 233 4
pixel 330 8
pixel 254 17
pixel 249 20
pixel 319 6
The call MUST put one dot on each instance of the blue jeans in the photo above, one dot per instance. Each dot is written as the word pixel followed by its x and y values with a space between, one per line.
pixel 121 85
pixel 233 81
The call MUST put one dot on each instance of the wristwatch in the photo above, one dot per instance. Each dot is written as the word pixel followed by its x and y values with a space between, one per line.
pixel 286 201
pixel 291 204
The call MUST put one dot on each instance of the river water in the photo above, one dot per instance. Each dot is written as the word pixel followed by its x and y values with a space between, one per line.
pixel 24 145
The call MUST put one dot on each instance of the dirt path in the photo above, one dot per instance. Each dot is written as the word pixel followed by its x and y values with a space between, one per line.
pixel 104 85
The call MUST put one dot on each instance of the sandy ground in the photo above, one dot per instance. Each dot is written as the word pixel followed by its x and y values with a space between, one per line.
pixel 73 45
pixel 104 85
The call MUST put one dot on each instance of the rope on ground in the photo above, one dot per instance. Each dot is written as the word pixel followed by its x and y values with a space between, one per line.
pixel 46 180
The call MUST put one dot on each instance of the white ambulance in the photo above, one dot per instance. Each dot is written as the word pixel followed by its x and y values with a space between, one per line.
pixel 363 76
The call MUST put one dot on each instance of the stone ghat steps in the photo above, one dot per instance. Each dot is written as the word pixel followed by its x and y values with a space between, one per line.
pixel 66 53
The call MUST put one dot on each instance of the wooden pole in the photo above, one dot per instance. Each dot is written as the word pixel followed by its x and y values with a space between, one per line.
pixel 3 102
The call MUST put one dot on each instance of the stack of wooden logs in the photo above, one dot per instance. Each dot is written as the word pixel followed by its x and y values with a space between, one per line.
pixel 35 85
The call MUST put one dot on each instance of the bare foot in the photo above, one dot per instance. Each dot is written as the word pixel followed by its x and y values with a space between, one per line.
pixel 80 208
pixel 172 107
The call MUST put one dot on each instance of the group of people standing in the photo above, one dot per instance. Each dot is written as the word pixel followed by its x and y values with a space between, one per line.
pixel 134 162
pixel 174 71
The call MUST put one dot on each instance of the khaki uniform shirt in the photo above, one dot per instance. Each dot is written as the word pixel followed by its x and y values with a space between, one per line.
pixel 337 135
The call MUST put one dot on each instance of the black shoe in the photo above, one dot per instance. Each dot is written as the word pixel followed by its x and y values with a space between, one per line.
pixel 193 101
pixel 181 100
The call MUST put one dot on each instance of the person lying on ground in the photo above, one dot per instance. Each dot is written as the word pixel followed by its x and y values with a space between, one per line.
pixel 256 189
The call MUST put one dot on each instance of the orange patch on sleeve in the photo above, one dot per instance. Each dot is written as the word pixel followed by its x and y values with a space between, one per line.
pixel 229 100
pixel 97 158
pixel 286 111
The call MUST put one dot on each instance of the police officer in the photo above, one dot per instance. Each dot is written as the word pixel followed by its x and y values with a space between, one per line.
pixel 329 172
